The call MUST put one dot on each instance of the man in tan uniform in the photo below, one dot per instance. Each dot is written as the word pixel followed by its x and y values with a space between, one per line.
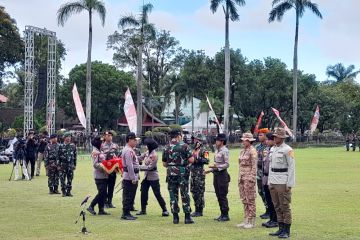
pixel 281 181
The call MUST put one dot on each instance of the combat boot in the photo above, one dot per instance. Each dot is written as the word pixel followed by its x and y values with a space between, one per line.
pixel 68 193
pixel 91 210
pixel 110 205
pixel 265 215
pixel 51 190
pixel 142 212
pixel 165 213
pixel 224 218
pixel 63 192
pixel 102 212
pixel 241 225
pixel 270 224
pixel 250 224
pixel 188 219
pixel 175 218
pixel 56 191
pixel 286 231
pixel 278 232
pixel 128 216
pixel 198 213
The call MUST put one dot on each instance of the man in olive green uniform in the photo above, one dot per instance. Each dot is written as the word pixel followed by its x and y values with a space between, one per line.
pixel 281 181
pixel 176 158
pixel 51 160
pixel 67 163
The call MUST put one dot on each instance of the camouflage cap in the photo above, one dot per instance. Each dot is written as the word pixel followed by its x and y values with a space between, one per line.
pixel 66 134
pixel 54 135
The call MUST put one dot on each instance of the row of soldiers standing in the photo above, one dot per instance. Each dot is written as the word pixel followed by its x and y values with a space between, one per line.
pixel 60 163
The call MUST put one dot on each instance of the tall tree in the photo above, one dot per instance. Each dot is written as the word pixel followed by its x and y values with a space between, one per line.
pixel 340 72
pixel 278 11
pixel 63 14
pixel 231 13
pixel 141 23
pixel 11 45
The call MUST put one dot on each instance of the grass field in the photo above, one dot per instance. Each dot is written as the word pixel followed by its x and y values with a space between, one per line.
pixel 326 205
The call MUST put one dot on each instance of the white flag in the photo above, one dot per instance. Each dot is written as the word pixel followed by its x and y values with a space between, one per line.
pixel 79 109
pixel 216 120
pixel 130 111
pixel 315 120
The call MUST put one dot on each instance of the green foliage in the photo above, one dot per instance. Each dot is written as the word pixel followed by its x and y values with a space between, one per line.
pixel 175 127
pixel 108 90
pixel 161 129
pixel 10 133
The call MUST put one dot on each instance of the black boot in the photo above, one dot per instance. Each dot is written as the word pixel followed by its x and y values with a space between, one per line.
pixel 68 193
pixel 224 217
pixel 91 210
pixel 270 224
pixel 128 216
pixel 286 231
pixel 56 191
pixel 51 190
pixel 165 213
pixel 175 218
pixel 102 212
pixel 278 232
pixel 63 192
pixel 188 219
pixel 265 215
pixel 142 212
pixel 198 213
pixel 110 205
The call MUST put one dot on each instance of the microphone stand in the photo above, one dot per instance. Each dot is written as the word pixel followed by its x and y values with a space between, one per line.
pixel 83 214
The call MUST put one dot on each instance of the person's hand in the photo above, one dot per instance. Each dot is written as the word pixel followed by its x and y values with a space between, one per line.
pixel 288 189
pixel 212 166
pixel 207 171
pixel 133 181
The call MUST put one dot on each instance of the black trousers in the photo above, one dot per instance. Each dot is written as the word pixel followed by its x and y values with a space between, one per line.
pixel 32 163
pixel 99 199
pixel 155 186
pixel 270 204
pixel 128 197
pixel 110 187
pixel 221 185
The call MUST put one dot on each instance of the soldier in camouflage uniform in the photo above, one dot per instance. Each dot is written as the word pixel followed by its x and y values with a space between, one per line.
pixel 51 160
pixel 176 158
pixel 67 164
pixel 197 182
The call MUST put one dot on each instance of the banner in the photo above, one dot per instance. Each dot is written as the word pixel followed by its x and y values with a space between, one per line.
pixel 283 124
pixel 256 130
pixel 216 120
pixel 130 111
pixel 315 120
pixel 78 106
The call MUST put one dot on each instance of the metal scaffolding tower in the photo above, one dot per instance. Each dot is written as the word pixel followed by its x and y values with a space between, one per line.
pixel 29 34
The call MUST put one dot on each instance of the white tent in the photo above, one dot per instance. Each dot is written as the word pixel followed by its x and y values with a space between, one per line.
pixel 200 123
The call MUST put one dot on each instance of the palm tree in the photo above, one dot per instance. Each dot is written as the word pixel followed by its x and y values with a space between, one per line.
pixel 230 12
pixel 340 72
pixel 277 12
pixel 63 14
pixel 143 24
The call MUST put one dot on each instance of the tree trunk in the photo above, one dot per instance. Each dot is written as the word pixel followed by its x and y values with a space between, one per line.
pixel 295 75
pixel 177 108
pixel 139 114
pixel 88 85
pixel 192 113
pixel 227 72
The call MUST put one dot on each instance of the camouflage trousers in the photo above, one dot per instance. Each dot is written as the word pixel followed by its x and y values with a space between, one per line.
pixel 197 187
pixel 174 184
pixel 247 191
pixel 53 176
pixel 66 174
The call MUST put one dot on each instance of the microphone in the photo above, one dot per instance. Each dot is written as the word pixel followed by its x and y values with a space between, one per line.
pixel 85 200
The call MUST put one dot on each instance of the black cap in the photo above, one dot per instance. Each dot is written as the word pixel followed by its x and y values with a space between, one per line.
pixel 130 135
pixel 221 137
pixel 174 133
pixel 54 135
pixel 270 136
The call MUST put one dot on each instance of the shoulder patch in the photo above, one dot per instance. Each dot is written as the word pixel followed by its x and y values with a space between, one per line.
pixel 291 153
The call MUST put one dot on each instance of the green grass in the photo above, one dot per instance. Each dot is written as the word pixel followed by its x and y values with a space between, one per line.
pixel 326 205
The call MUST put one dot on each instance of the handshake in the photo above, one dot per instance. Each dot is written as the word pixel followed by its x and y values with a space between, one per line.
pixel 211 169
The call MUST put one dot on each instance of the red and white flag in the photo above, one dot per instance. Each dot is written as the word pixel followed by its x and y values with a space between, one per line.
pixel 78 106
pixel 216 120
pixel 283 124
pixel 130 111
pixel 256 130
pixel 315 120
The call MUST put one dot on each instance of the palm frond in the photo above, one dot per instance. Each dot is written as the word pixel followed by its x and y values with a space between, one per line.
pixel 128 21
pixel 214 4
pixel 313 7
pixel 68 9
pixel 234 16
pixel 278 11
pixel 99 7
pixel 240 2
pixel 146 10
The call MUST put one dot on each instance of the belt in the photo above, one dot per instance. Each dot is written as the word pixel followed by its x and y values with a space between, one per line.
pixel 136 170
pixel 154 169
pixel 266 174
pixel 279 169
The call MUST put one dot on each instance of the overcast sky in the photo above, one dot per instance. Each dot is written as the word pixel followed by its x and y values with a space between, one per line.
pixel 322 42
